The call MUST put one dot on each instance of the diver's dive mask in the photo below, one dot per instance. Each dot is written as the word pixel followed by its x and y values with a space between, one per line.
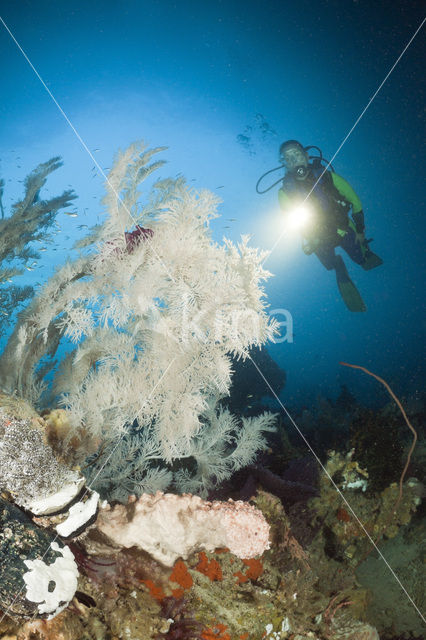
pixel 295 159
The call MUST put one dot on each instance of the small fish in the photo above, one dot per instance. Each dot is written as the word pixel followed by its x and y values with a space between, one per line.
pixel 82 226
pixel 220 186
pixel 250 395
pixel 231 219
pixel 71 214
pixel 43 249
pixel 227 227
pixel 96 150
pixel 29 268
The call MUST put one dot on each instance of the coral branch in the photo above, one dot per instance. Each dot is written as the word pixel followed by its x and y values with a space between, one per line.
pixel 407 462
pixel 401 408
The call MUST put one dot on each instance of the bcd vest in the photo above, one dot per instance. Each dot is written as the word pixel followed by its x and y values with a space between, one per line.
pixel 330 207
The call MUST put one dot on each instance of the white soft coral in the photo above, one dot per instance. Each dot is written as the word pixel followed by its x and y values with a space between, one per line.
pixel 155 320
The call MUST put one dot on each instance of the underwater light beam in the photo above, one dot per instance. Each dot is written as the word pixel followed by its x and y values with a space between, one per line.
pixel 357 121
pixel 299 217
pixel 338 491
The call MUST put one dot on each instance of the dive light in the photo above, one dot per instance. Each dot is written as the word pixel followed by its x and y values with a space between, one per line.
pixel 298 217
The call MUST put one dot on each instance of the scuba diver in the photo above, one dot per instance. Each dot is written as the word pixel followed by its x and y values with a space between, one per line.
pixel 319 201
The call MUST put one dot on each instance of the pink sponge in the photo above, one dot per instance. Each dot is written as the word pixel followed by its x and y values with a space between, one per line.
pixel 169 526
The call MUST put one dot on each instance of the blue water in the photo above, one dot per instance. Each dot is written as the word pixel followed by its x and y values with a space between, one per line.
pixel 194 77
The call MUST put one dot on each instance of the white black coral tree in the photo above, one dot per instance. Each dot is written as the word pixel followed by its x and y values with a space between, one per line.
pixel 156 309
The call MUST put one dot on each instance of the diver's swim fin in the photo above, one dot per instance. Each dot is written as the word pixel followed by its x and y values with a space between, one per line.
pixel 350 294
pixel 371 261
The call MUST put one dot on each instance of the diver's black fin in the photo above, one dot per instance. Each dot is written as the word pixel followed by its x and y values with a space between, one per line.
pixel 350 294
pixel 371 261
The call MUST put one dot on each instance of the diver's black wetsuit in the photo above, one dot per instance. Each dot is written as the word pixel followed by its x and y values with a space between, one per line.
pixel 327 254
pixel 331 199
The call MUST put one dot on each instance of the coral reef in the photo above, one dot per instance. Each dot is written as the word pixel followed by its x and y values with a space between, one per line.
pixel 38 574
pixel 29 470
pixel 213 594
pixel 35 478
pixel 147 327
pixel 346 534
pixel 156 320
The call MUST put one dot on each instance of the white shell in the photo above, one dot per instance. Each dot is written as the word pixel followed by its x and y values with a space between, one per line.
pixel 79 514
pixel 63 572
pixel 58 500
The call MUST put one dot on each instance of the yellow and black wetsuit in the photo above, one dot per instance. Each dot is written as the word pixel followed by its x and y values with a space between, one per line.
pixel 332 199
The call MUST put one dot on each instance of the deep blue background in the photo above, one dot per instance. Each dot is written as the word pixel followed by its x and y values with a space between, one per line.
pixel 193 76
